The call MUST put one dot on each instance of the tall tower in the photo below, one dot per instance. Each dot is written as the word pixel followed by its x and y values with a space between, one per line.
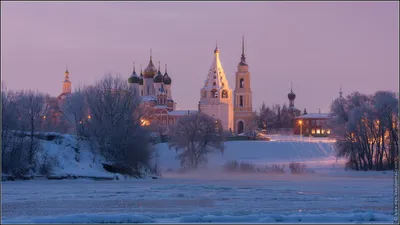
pixel 243 100
pixel 66 89
pixel 216 96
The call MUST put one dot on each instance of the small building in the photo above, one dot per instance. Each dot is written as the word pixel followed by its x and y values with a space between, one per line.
pixel 312 124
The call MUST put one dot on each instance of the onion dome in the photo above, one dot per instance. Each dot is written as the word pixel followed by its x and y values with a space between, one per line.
pixel 167 80
pixel 150 70
pixel 159 77
pixel 134 78
pixel 141 76
pixel 291 95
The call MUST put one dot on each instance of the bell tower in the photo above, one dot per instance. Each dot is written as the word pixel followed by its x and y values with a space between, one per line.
pixel 243 100
pixel 66 89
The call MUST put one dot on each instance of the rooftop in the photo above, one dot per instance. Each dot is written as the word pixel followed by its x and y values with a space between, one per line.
pixel 314 116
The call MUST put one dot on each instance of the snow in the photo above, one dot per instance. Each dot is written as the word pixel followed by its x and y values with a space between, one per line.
pixel 259 153
pixel 148 98
pixel 328 195
pixel 181 112
pixel 314 116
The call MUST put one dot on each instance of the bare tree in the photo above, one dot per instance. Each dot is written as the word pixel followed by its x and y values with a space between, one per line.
pixel 194 137
pixel 31 106
pixel 75 111
pixel 114 124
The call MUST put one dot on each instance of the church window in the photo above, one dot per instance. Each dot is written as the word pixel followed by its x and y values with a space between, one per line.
pixel 241 101
pixel 141 92
pixel 148 89
pixel 224 94
pixel 214 83
pixel 214 93
pixel 215 77
pixel 241 83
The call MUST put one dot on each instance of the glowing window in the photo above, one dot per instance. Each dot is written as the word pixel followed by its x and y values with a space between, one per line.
pixel 318 131
pixel 328 131
pixel 323 131
pixel 313 131
pixel 241 83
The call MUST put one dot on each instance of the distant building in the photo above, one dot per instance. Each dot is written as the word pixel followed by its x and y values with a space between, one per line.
pixel 216 96
pixel 243 98
pixel 312 124
pixel 155 91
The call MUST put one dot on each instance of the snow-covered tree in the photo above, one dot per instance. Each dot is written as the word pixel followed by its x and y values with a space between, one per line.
pixel 366 128
pixel 114 124
pixel 194 137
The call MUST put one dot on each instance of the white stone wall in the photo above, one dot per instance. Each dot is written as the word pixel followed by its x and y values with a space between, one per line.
pixel 223 112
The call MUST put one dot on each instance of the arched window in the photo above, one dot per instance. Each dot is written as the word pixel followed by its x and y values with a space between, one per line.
pixel 148 89
pixel 141 92
pixel 224 94
pixel 241 101
pixel 241 83
pixel 214 93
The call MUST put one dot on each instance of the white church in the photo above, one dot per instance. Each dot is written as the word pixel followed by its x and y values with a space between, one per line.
pixel 234 110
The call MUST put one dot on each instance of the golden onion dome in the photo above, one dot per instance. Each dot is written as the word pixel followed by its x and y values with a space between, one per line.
pixel 150 70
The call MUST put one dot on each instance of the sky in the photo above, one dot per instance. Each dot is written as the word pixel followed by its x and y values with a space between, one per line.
pixel 318 46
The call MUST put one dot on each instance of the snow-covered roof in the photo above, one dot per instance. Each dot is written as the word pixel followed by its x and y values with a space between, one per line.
pixel 314 116
pixel 160 107
pixel 148 98
pixel 181 112
pixel 216 71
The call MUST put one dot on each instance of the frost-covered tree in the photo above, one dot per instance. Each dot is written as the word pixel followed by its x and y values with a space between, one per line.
pixel 75 111
pixel 194 137
pixel 114 124
pixel 31 107
pixel 366 128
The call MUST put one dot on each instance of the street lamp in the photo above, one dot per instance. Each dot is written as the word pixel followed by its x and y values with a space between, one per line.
pixel 301 129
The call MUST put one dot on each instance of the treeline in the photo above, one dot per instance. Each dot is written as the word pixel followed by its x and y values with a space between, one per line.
pixel 275 117
pixel 366 128
pixel 106 114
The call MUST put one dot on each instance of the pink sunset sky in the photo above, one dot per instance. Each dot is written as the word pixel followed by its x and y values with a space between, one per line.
pixel 316 45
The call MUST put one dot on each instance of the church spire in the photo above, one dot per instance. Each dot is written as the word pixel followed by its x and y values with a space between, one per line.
pixel 216 47
pixel 291 86
pixel 133 67
pixel 165 69
pixel 151 55
pixel 341 92
pixel 243 58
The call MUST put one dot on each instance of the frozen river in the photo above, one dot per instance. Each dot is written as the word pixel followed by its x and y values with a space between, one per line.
pixel 203 198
